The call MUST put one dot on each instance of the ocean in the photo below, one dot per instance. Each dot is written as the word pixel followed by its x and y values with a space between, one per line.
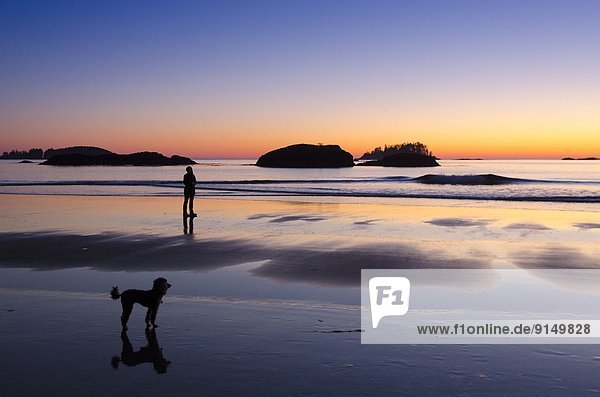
pixel 543 181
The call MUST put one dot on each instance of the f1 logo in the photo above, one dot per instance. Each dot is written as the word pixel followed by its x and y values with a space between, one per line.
pixel 389 296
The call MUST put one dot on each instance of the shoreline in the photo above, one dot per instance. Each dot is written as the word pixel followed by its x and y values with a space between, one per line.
pixel 350 200
pixel 583 202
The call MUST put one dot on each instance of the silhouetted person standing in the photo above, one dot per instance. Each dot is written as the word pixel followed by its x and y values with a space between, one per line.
pixel 189 190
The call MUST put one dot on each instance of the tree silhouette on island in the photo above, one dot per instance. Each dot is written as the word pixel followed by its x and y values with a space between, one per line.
pixel 388 150
pixel 31 154
pixel 408 154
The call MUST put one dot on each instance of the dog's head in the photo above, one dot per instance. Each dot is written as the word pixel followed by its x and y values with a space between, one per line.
pixel 161 285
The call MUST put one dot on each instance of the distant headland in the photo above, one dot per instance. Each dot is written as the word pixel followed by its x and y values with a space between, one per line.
pixel 39 154
pixel 582 158
pixel 114 159
pixel 91 156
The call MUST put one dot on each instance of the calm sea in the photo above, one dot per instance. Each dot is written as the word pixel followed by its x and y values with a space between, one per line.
pixel 548 181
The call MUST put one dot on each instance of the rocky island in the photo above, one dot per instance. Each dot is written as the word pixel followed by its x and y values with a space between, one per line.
pixel 403 160
pixel 114 159
pixel 85 150
pixel 410 154
pixel 307 156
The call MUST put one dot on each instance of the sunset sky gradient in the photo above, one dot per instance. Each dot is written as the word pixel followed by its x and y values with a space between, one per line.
pixel 492 79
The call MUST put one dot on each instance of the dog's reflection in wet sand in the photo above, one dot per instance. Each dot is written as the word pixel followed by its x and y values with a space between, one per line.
pixel 152 353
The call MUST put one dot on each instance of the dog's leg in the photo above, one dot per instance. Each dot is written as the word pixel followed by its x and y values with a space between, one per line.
pixel 153 315
pixel 148 317
pixel 127 308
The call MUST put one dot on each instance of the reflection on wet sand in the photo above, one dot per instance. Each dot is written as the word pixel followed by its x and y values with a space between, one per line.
pixel 188 224
pixel 122 252
pixel 563 259
pixel 341 266
pixel 332 262
pixel 151 353
pixel 555 257
pixel 460 222
pixel 587 225
pixel 290 242
pixel 527 226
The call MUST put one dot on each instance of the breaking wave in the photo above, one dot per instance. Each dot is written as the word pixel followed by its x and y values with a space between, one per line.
pixel 472 180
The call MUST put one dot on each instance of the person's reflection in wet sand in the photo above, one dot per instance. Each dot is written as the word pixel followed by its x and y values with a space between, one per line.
pixel 152 353
pixel 186 229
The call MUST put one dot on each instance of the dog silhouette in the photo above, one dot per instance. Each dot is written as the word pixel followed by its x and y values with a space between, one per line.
pixel 150 299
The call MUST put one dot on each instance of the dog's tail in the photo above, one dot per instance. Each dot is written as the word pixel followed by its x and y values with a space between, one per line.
pixel 114 293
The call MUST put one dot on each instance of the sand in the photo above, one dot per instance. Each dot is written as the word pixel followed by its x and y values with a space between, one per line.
pixel 258 288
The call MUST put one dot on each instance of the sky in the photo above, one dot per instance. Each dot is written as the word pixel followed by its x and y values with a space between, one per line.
pixel 489 79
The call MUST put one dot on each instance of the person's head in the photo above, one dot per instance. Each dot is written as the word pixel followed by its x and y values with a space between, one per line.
pixel 188 169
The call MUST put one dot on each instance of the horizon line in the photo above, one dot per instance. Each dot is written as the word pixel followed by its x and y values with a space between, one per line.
pixel 255 157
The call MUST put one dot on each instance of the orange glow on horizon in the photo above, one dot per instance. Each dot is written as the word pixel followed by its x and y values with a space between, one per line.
pixel 247 147
pixel 483 135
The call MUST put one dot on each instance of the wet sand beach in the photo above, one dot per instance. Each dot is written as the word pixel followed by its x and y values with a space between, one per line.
pixel 265 296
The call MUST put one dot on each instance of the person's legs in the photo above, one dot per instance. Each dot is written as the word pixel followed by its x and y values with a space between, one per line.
pixel 191 204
